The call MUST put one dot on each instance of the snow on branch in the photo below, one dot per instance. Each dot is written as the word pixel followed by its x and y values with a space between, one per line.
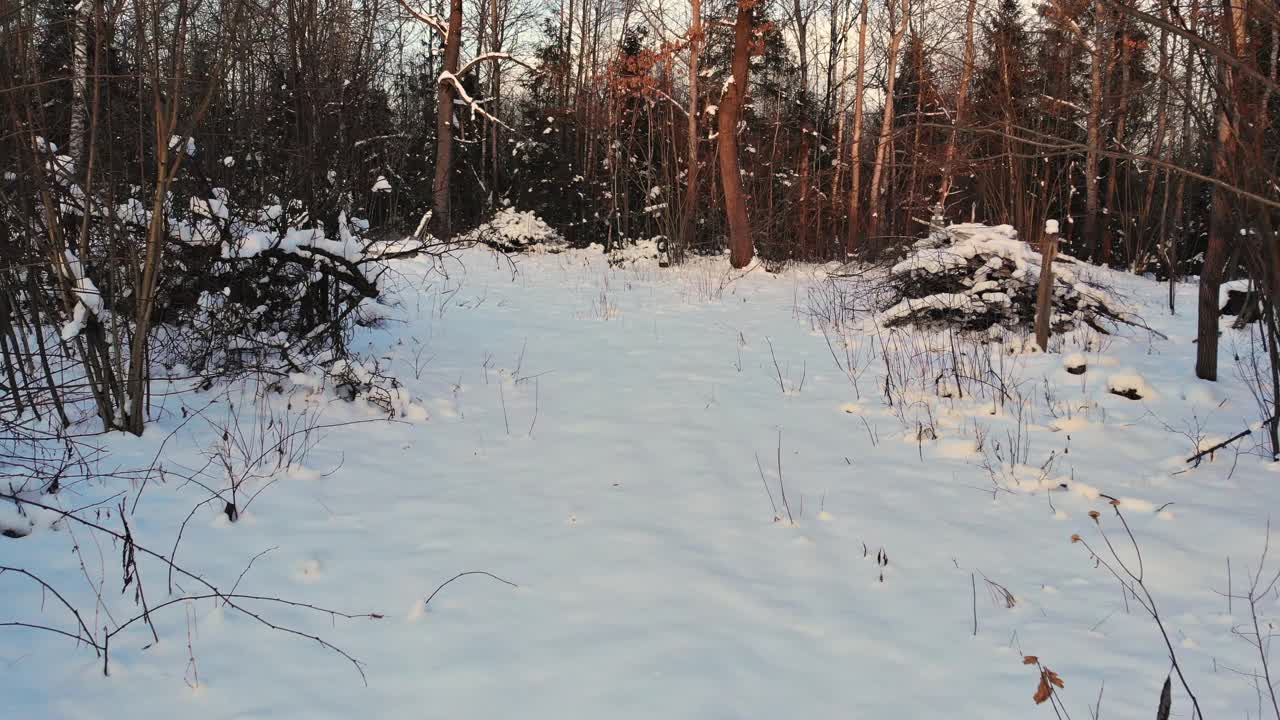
pixel 465 99
pixel 435 22
pixel 495 57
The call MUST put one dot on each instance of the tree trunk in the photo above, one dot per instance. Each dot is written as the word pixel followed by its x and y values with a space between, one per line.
pixel 741 249
pixel 1093 131
pixel 855 142
pixel 837 173
pixel 79 71
pixel 883 147
pixel 1044 293
pixel 1117 141
pixel 802 42
pixel 687 214
pixel 1220 204
pixel 962 97
pixel 444 123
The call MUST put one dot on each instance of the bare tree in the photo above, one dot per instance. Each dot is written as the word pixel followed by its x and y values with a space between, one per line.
pixel 899 18
pixel 689 210
pixel 1225 151
pixel 962 97
pixel 855 142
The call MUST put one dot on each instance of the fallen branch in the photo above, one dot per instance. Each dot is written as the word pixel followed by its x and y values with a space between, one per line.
pixel 1243 433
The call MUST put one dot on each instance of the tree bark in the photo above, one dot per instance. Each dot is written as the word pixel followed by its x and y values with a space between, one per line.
pixel 1044 293
pixel 741 249
pixel 855 142
pixel 1093 130
pixel 962 97
pixel 1118 140
pixel 688 212
pixel 883 147
pixel 1233 20
pixel 445 94
pixel 79 99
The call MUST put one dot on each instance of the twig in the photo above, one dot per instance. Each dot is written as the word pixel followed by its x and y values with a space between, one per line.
pixel 973 582
pixel 464 574
pixel 214 592
pixel 781 385
pixel 767 491
pixel 1132 585
pixel 781 485
pixel 502 396
pixel 535 408
pixel 88 636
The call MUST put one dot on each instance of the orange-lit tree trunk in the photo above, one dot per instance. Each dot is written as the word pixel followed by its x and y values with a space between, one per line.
pixel 962 98
pixel 855 142
pixel 1093 130
pixel 898 27
pixel 741 249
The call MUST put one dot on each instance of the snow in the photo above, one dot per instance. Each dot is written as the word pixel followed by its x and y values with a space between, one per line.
pixel 382 184
pixel 511 228
pixel 939 301
pixel 1011 268
pixel 999 240
pixel 88 298
pixel 1130 382
pixel 188 144
pixel 609 470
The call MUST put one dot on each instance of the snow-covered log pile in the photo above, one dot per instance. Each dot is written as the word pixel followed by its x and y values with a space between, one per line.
pixel 973 276
pixel 512 230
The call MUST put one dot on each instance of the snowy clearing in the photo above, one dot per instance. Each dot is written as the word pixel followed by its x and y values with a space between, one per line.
pixel 706 505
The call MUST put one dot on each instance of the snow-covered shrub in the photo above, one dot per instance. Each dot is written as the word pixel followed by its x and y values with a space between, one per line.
pixel 512 230
pixel 974 277
pixel 266 290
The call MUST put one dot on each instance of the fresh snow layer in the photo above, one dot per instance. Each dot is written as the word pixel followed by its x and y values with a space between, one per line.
pixel 598 436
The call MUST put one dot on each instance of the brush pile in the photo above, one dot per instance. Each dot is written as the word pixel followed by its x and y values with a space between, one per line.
pixel 976 277
pixel 513 231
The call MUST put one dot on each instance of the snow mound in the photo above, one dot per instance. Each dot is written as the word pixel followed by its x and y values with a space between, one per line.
pixel 1075 363
pixel 976 276
pixel 513 230
pixel 1130 385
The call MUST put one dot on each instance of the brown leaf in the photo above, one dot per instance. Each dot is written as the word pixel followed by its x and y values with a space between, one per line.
pixel 1075 538
pixel 1115 503
pixel 1030 660
pixel 1053 678
pixel 1043 692
pixel 1166 700
pixel 1093 514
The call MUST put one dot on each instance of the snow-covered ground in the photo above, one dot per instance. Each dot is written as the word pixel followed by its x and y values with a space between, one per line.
pixel 598 437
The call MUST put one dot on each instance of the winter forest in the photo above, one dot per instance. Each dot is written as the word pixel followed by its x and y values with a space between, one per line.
pixel 639 358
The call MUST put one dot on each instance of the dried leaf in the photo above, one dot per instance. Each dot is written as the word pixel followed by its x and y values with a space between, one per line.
pixel 1166 700
pixel 1030 660
pixel 1115 503
pixel 1054 678
pixel 1094 514
pixel 1075 538
pixel 1043 692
